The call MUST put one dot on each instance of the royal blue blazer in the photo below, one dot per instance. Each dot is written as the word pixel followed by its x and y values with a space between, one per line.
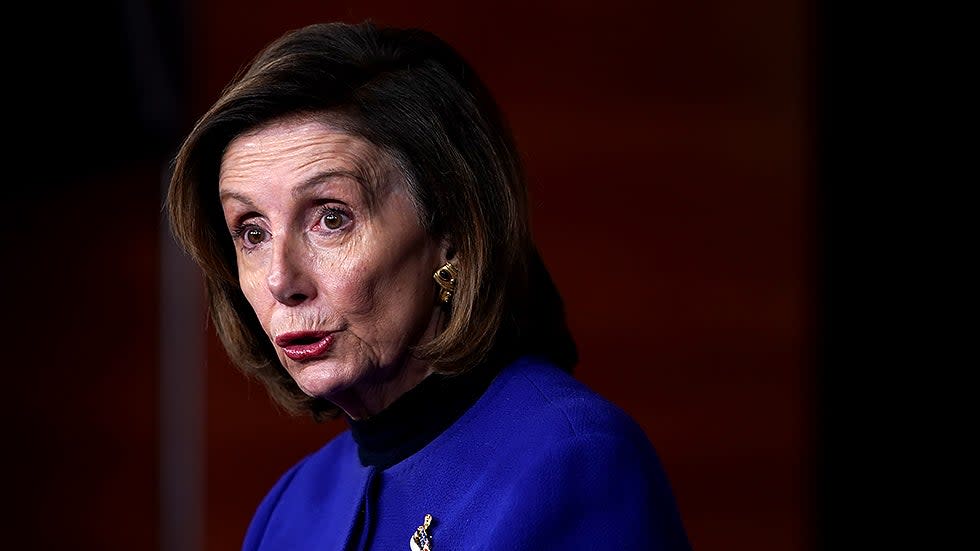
pixel 539 462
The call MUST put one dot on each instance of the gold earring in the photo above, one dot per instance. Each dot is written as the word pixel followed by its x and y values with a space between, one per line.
pixel 446 278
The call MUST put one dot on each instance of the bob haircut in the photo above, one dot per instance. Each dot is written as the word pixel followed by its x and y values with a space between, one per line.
pixel 411 95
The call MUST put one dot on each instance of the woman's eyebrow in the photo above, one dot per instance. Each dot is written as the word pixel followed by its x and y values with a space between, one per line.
pixel 321 177
pixel 227 194
pixel 368 191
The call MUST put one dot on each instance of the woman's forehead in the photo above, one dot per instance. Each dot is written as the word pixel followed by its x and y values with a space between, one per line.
pixel 297 142
pixel 300 149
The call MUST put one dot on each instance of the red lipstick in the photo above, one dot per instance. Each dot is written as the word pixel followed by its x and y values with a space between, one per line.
pixel 305 345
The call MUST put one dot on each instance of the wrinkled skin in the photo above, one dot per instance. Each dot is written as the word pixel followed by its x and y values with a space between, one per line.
pixel 329 240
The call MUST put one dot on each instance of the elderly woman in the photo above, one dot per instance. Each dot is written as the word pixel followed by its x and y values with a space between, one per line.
pixel 358 208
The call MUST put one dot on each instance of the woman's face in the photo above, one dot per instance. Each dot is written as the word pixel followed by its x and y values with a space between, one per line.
pixel 333 259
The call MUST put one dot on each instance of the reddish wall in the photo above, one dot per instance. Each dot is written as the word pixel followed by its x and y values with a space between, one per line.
pixel 670 159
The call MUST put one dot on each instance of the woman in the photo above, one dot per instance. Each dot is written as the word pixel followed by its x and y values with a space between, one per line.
pixel 359 210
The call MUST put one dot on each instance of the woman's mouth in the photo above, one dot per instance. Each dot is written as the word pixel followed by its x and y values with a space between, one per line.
pixel 304 345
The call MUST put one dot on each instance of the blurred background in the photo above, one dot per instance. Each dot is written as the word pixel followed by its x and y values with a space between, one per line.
pixel 670 152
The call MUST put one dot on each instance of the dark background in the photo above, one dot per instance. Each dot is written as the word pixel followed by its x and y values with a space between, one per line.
pixel 671 151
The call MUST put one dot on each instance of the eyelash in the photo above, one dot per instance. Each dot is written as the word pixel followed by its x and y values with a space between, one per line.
pixel 238 234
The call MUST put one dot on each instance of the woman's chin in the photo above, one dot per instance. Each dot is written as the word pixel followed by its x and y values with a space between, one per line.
pixel 320 379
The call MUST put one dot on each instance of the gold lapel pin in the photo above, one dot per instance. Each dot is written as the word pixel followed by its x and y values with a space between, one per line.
pixel 422 540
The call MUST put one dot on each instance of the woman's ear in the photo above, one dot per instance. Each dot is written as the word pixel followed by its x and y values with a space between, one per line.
pixel 448 250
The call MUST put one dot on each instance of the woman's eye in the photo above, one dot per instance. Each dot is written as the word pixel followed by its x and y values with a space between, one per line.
pixel 253 236
pixel 333 219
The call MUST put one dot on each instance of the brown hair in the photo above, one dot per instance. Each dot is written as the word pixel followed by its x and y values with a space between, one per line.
pixel 410 94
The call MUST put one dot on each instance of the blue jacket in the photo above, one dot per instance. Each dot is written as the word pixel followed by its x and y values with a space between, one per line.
pixel 538 462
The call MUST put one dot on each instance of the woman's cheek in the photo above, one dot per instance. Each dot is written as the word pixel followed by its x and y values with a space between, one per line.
pixel 252 287
pixel 351 287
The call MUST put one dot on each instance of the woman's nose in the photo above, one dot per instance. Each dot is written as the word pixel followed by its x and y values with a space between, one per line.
pixel 290 279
